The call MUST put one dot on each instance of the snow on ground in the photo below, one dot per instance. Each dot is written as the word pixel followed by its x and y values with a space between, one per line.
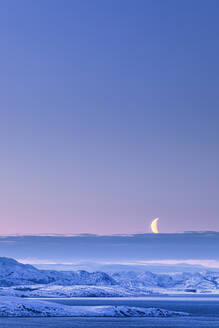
pixel 15 306
pixel 37 291
pixel 73 291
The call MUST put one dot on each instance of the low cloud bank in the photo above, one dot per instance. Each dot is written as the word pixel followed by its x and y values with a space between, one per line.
pixel 184 247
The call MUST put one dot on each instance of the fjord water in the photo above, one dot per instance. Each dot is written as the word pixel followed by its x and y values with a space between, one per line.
pixel 195 305
pixel 204 312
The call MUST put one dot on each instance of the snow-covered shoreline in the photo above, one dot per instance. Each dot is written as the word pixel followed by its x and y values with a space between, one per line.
pixel 52 291
pixel 19 307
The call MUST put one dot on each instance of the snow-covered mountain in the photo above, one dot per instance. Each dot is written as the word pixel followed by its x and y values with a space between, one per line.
pixel 200 281
pixel 13 273
pixel 82 283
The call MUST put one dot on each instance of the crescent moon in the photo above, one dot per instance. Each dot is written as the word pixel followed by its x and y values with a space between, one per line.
pixel 154 226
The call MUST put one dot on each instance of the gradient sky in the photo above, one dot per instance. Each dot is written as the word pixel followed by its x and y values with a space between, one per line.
pixel 109 115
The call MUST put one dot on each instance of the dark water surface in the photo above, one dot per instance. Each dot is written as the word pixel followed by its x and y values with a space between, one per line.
pixel 196 306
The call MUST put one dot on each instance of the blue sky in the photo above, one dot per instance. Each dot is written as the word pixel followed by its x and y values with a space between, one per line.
pixel 109 116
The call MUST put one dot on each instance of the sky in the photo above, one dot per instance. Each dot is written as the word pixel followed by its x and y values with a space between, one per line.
pixel 109 114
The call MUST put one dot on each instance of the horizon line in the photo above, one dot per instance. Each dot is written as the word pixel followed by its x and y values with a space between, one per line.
pixel 50 234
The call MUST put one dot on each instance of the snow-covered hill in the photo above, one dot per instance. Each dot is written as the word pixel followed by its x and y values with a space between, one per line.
pixel 74 291
pixel 18 307
pixel 13 273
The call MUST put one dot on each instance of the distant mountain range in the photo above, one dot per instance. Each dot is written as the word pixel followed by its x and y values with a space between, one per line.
pixel 200 281
pixel 18 277
pixel 117 267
